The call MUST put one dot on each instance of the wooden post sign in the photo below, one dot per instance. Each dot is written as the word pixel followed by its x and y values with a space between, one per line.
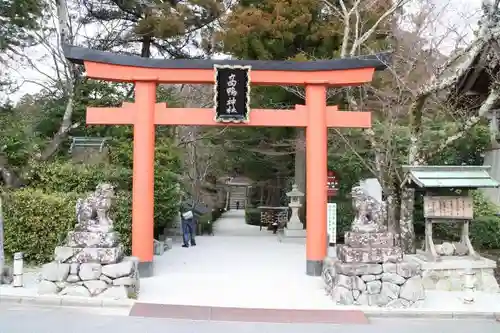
pixel 448 207
pixel 332 184
pixel 331 214
pixel 232 93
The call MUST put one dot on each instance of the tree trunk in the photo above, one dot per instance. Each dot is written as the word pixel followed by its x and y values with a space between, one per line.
pixel 269 196
pixel 407 232
pixel 261 200
pixel 392 225
pixel 300 168
pixel 146 47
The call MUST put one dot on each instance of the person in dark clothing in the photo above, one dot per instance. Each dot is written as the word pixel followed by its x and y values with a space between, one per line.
pixel 237 205
pixel 188 224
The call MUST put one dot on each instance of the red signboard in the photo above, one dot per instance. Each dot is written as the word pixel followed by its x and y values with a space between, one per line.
pixel 332 184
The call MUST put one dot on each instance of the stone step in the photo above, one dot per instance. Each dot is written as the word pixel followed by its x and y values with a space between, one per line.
pixel 369 239
pixel 369 255
pixel 109 255
pixel 92 239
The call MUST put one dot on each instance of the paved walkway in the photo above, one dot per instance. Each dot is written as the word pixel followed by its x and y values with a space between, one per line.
pixel 244 267
pixel 22 319
pixel 240 266
pixel 232 223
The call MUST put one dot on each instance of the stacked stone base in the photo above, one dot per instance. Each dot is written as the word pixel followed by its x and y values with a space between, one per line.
pixel 370 270
pixel 394 285
pixel 91 264
pixel 449 273
pixel 114 281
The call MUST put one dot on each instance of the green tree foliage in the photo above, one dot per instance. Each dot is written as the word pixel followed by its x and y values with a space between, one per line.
pixel 168 26
pixel 18 18
pixel 281 30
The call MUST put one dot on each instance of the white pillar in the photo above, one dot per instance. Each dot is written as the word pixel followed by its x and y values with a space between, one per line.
pixel 469 283
pixel 17 270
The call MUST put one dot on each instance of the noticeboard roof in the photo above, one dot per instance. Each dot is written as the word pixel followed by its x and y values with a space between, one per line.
pixel 448 177
pixel 88 142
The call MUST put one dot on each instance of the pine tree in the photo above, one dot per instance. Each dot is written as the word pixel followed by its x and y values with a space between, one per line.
pixel 165 25
pixel 281 30
pixel 17 19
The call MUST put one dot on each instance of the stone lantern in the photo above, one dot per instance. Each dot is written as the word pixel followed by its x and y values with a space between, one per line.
pixel 295 228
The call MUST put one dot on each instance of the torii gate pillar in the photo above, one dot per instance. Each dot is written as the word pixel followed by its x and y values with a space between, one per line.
pixel 143 176
pixel 316 178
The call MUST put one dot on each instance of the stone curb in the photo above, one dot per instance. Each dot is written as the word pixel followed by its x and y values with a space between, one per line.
pixel 73 301
pixel 66 301
pixel 431 314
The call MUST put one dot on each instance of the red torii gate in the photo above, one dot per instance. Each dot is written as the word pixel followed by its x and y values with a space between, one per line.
pixel 145 113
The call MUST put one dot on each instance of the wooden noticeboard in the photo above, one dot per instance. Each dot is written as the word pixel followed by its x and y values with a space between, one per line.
pixel 448 207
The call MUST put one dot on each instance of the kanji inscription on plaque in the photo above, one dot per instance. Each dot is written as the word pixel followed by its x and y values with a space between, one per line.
pixel 451 207
pixel 232 93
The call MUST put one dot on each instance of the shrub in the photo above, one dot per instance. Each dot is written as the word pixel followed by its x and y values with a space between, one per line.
pixel 485 232
pixel 121 214
pixel 78 178
pixel 81 178
pixel 345 216
pixel 166 200
pixel 216 213
pixel 36 222
pixel 252 216
pixel 483 206
pixel 205 224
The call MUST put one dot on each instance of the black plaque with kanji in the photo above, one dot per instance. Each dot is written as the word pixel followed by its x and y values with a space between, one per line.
pixel 232 93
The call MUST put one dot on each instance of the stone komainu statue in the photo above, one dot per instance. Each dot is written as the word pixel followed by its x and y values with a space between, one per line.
pixel 371 215
pixel 92 213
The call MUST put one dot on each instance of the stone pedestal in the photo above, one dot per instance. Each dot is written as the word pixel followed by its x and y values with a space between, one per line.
pixel 295 233
pixel 449 274
pixel 392 285
pixel 369 247
pixel 295 228
pixel 370 270
pixel 102 255
pixel 101 270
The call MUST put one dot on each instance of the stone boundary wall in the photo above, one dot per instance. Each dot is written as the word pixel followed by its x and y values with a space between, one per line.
pixel 393 285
